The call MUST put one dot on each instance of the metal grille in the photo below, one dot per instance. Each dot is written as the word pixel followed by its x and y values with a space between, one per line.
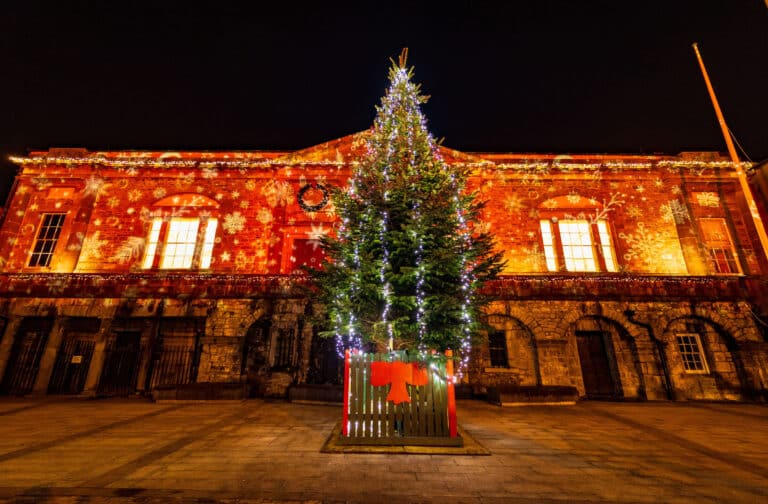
pixel 47 236
pixel 71 368
pixel 24 362
pixel 178 353
pixel 121 364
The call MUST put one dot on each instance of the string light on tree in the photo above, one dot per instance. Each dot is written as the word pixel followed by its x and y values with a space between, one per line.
pixel 404 266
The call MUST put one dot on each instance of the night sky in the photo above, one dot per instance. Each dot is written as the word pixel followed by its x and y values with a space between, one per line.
pixel 539 76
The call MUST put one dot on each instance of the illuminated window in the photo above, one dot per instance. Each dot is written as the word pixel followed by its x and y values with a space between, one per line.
pixel 691 352
pixel 720 251
pixel 47 237
pixel 497 348
pixel 578 245
pixel 185 243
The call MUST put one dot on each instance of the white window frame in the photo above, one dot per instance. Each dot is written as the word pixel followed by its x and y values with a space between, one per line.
pixel 577 252
pixel 180 249
pixel 690 344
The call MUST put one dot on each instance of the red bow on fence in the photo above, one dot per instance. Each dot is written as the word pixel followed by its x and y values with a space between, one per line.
pixel 398 374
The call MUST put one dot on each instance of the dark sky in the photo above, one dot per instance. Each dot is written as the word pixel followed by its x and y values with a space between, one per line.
pixel 538 76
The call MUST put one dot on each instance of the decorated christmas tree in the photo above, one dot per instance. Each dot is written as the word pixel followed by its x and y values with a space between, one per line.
pixel 404 268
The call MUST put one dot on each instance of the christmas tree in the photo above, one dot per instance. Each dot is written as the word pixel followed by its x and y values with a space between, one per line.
pixel 405 266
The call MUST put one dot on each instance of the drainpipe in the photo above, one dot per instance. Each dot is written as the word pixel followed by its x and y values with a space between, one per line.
pixel 630 314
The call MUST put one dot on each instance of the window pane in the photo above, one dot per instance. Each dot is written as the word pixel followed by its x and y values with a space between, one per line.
pixel 577 245
pixel 154 236
pixel 549 246
pixel 180 244
pixel 47 237
pixel 497 347
pixel 607 246
pixel 691 352
pixel 717 240
pixel 207 251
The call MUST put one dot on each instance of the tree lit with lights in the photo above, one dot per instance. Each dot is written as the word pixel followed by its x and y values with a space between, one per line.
pixel 405 266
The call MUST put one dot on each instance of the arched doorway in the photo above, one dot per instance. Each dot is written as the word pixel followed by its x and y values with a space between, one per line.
pixel 254 360
pixel 609 360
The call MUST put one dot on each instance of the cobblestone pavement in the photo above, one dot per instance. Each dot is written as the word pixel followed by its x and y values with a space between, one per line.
pixel 134 451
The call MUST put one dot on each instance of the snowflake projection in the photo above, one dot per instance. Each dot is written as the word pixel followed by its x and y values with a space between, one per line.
pixel 113 202
pixel 658 183
pixel 533 258
pixel 159 192
pixel 676 189
pixel 640 188
pixel 243 261
pixel 92 247
pixel 130 250
pixel 78 244
pixel 225 256
pixel 234 222
pixel 94 186
pixel 134 195
pixel 219 196
pixel 551 203
pixel 185 180
pixel 316 236
pixel 132 171
pixel 513 203
pixel 264 216
pixel 707 199
pixel 250 185
pixel 277 192
pixel 644 245
pixel 674 211
pixel 209 172
pixel 244 204
pixel 634 211
pixel 573 198
pixel 235 195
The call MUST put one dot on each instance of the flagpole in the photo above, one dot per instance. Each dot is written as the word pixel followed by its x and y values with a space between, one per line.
pixel 735 158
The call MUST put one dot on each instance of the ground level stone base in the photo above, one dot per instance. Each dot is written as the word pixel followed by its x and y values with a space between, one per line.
pixel 670 350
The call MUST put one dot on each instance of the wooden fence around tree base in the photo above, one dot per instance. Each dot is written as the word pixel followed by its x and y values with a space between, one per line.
pixel 429 419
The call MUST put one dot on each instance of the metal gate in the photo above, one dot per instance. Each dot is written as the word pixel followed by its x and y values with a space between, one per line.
pixel 71 368
pixel 177 353
pixel 121 364
pixel 24 361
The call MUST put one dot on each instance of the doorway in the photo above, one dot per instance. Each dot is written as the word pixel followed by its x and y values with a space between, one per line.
pixel 595 365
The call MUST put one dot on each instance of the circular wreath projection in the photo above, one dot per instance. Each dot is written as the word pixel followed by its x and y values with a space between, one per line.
pixel 308 206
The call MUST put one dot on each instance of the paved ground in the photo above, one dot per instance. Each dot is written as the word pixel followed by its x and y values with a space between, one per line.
pixel 132 451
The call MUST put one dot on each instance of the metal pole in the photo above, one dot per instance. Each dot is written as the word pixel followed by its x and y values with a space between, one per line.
pixel 735 158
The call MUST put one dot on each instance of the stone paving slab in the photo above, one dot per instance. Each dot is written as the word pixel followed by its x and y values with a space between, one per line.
pixel 133 451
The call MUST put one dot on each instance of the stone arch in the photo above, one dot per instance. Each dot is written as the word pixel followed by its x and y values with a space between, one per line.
pixel 594 336
pixel 723 376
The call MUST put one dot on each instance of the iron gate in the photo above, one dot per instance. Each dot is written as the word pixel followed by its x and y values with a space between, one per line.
pixel 71 368
pixel 121 364
pixel 24 362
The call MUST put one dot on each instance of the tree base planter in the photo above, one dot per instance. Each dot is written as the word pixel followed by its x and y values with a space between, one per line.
pixel 394 399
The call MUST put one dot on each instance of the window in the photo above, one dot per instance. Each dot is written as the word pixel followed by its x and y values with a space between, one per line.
pixel 185 243
pixel 284 348
pixel 47 237
pixel 720 251
pixel 577 245
pixel 691 353
pixel 497 348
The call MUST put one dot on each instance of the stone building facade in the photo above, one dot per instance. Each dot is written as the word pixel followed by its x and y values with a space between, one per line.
pixel 627 277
